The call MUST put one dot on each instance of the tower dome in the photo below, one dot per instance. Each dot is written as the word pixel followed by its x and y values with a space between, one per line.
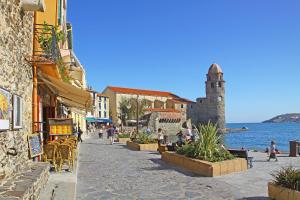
pixel 214 69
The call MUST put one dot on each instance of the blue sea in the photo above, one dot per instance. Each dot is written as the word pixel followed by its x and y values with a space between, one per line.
pixel 259 135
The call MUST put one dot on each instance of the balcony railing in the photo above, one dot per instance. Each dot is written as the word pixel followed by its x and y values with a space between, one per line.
pixel 46 49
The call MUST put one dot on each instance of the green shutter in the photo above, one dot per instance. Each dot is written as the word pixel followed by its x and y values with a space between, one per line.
pixel 59 11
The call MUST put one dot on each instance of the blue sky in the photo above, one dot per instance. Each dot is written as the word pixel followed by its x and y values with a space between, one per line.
pixel 169 45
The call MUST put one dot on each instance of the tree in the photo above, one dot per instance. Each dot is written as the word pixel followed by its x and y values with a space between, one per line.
pixel 128 108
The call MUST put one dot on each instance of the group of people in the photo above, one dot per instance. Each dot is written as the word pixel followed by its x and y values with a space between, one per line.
pixel 188 136
pixel 111 131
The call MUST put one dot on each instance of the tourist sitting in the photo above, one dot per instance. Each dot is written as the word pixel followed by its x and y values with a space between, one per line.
pixel 273 151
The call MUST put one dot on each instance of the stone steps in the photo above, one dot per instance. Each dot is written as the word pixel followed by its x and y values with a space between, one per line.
pixel 27 184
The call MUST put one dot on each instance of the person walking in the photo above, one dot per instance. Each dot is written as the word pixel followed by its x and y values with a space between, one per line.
pixel 273 151
pixel 160 137
pixel 110 134
pixel 101 132
pixel 79 134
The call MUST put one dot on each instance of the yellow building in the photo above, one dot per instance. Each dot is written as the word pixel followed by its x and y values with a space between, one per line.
pixel 63 90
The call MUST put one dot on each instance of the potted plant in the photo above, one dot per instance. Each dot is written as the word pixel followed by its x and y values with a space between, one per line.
pixel 206 156
pixel 123 137
pixel 285 184
pixel 143 142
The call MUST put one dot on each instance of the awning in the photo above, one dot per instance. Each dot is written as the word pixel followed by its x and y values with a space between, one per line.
pixel 70 95
pixel 100 120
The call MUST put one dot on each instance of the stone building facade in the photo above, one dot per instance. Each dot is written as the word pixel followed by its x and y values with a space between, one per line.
pixel 20 178
pixel 15 43
pixel 212 107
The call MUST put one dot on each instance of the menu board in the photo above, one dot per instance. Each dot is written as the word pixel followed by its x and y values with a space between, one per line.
pixel 60 126
pixel 34 142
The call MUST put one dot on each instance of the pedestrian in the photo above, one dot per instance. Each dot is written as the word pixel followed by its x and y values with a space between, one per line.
pixel 160 137
pixel 79 134
pixel 273 151
pixel 101 133
pixel 110 134
pixel 180 138
pixel 148 131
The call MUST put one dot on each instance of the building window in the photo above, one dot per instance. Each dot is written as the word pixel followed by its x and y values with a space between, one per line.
pixel 212 85
pixel 100 99
pixel 100 114
pixel 201 101
pixel 105 105
pixel 99 106
pixel 220 99
pixel 191 106
pixel 104 99
pixel 181 105
pixel 220 84
pixel 104 114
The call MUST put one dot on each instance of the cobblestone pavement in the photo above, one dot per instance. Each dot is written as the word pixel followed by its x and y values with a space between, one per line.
pixel 115 172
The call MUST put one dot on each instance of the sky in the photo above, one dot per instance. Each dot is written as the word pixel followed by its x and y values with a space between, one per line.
pixel 169 45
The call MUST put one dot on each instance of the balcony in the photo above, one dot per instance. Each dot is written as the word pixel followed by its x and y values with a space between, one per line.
pixel 46 49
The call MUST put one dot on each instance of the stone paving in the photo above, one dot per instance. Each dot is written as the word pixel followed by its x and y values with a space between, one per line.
pixel 115 172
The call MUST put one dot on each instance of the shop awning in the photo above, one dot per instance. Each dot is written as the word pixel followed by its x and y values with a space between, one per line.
pixel 100 120
pixel 70 95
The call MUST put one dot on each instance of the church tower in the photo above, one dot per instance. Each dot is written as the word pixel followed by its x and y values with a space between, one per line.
pixel 215 95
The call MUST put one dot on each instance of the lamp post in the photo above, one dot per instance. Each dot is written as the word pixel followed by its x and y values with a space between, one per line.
pixel 137 114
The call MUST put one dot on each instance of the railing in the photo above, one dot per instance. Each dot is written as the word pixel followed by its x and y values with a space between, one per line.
pixel 46 49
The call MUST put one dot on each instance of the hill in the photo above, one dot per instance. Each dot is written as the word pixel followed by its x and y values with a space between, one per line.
pixel 292 117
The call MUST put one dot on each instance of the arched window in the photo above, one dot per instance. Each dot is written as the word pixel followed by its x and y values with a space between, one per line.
pixel 220 98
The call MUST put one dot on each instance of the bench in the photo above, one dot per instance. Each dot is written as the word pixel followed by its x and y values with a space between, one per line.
pixel 242 154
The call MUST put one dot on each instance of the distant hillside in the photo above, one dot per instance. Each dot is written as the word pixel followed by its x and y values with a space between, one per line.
pixel 293 117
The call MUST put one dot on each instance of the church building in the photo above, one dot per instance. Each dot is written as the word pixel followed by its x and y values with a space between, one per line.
pixel 212 107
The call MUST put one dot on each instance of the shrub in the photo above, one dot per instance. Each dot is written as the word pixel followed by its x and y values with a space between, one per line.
pixel 288 177
pixel 143 138
pixel 124 135
pixel 207 147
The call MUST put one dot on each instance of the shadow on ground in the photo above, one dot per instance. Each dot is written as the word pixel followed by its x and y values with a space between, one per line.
pixel 164 166
pixel 256 198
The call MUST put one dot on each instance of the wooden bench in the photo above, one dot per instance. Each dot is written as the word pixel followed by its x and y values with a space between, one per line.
pixel 242 154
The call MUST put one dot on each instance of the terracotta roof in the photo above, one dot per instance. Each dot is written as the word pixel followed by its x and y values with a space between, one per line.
pixel 162 110
pixel 101 95
pixel 180 100
pixel 142 92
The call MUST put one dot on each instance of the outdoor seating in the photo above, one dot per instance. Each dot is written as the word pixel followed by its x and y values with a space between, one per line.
pixel 50 154
pixel 242 154
pixel 61 151
pixel 65 156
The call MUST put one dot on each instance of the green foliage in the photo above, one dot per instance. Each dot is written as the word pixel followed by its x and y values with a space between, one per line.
pixel 45 39
pixel 144 138
pixel 208 147
pixel 124 135
pixel 128 108
pixel 287 177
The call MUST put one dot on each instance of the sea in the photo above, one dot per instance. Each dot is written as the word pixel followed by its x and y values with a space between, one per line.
pixel 259 135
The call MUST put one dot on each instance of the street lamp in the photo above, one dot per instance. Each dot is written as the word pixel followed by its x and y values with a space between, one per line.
pixel 137 114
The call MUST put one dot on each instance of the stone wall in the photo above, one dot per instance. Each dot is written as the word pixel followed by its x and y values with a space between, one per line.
pixel 169 128
pixel 15 43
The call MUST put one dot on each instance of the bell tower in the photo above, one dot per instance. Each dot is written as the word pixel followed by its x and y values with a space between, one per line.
pixel 215 94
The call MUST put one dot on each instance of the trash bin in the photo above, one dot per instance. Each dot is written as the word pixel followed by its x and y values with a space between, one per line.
pixel 294 148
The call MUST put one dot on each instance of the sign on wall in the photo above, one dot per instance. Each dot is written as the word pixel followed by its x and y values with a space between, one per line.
pixel 17 112
pixel 4 109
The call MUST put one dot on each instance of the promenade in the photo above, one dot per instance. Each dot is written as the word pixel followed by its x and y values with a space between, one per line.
pixel 115 172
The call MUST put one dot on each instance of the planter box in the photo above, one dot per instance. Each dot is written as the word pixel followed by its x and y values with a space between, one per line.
pixel 280 193
pixel 162 148
pixel 123 140
pixel 142 147
pixel 205 168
